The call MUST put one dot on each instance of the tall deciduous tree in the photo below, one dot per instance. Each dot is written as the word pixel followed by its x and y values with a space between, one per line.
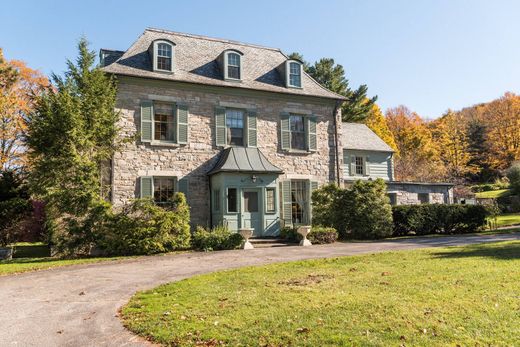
pixel 332 76
pixel 377 122
pixel 71 134
pixel 19 85
pixel 418 158
pixel 450 134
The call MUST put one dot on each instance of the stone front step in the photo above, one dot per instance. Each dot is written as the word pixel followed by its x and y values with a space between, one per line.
pixel 271 242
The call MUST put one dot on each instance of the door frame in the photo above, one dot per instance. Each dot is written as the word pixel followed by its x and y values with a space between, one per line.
pixel 260 212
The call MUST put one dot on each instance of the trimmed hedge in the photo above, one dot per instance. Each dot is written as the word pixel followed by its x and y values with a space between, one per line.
pixel 319 235
pixel 438 219
pixel 216 239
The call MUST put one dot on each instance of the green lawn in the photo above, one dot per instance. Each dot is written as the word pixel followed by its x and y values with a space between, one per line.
pixel 507 219
pixel 35 256
pixel 493 194
pixel 464 296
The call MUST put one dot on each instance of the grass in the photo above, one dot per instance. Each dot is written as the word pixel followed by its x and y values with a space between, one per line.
pixel 507 219
pixel 493 194
pixel 36 256
pixel 435 297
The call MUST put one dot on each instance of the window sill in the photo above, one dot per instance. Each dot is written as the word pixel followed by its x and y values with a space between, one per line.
pixel 236 80
pixel 298 151
pixel 164 144
pixel 294 87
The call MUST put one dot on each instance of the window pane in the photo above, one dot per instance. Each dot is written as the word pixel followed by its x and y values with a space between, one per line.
pixel 233 59
pixel 424 198
pixel 232 200
pixel 164 189
pixel 163 122
pixel 234 72
pixel 359 166
pixel 164 50
pixel 164 63
pixel 299 201
pixel 250 201
pixel 294 74
pixel 297 127
pixel 269 197
pixel 235 127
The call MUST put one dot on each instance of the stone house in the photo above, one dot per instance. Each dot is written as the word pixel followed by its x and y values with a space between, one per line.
pixel 366 156
pixel 241 129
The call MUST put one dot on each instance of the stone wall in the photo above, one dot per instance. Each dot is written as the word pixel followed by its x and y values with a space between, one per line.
pixel 194 160
pixel 408 193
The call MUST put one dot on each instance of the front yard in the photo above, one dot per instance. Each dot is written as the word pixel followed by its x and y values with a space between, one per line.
pixel 507 219
pixel 435 297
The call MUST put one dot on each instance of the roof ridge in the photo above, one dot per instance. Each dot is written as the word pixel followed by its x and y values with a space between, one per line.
pixel 203 37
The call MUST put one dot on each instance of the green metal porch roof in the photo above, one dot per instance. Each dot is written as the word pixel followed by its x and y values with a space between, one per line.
pixel 246 160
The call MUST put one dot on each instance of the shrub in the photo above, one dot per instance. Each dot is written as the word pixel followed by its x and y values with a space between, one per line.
pixel 438 219
pixel 12 211
pixel 318 235
pixel 218 238
pixel 513 174
pixel 321 235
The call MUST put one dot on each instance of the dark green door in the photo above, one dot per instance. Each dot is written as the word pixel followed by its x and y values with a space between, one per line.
pixel 252 210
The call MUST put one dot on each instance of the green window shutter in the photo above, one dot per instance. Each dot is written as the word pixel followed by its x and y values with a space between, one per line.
pixel 285 188
pixel 146 121
pixel 146 187
pixel 311 133
pixel 251 128
pixel 313 185
pixel 182 124
pixel 352 165
pixel 285 131
pixel 183 186
pixel 220 126
pixel 366 166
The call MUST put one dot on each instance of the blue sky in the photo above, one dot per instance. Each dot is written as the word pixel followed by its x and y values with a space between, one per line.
pixel 429 55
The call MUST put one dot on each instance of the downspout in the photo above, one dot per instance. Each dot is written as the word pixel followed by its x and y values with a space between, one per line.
pixel 336 144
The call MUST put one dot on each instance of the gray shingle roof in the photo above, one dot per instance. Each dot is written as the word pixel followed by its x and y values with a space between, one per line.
pixel 360 137
pixel 240 159
pixel 195 61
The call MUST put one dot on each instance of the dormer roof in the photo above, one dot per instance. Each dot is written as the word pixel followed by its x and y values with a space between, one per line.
pixel 196 61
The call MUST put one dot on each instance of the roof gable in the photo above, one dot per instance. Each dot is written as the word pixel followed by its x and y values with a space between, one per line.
pixel 196 61
pixel 360 137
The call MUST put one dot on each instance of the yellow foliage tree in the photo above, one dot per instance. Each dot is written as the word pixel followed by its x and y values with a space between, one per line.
pixel 377 122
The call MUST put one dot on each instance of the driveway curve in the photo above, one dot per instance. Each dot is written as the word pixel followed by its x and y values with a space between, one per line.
pixel 78 305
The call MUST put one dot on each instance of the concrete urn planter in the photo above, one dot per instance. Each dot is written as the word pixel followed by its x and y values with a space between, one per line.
pixel 304 230
pixel 6 253
pixel 246 233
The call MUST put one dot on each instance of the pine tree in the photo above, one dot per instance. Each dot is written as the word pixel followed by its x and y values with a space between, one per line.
pixel 71 133
pixel 332 76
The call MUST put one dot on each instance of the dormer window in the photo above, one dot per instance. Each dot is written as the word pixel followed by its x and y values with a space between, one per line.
pixel 163 56
pixel 232 65
pixel 294 74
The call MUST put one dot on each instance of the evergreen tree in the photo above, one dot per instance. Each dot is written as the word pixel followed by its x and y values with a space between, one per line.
pixel 71 133
pixel 332 76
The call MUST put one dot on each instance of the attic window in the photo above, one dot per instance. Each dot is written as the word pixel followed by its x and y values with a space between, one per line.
pixel 163 56
pixel 294 74
pixel 233 65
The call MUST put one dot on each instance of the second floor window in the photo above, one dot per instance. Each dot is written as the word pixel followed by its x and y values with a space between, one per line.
pixel 164 127
pixel 164 57
pixel 360 167
pixel 235 127
pixel 233 66
pixel 297 128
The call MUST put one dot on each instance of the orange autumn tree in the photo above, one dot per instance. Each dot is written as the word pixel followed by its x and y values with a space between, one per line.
pixel 18 85
pixel 418 158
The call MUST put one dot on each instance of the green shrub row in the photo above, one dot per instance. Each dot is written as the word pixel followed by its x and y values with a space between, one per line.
pixel 438 219
pixel 218 238
pixel 319 235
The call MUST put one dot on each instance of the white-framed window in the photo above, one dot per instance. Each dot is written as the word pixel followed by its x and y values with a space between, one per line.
pixel 163 189
pixel 163 122
pixel 270 200
pixel 235 127
pixel 297 128
pixel 163 56
pixel 360 166
pixel 233 65
pixel 293 73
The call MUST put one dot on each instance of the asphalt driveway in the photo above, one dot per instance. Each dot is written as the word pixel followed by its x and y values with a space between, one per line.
pixel 78 305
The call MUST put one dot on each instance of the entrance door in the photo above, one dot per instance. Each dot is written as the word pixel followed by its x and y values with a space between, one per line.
pixel 252 211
